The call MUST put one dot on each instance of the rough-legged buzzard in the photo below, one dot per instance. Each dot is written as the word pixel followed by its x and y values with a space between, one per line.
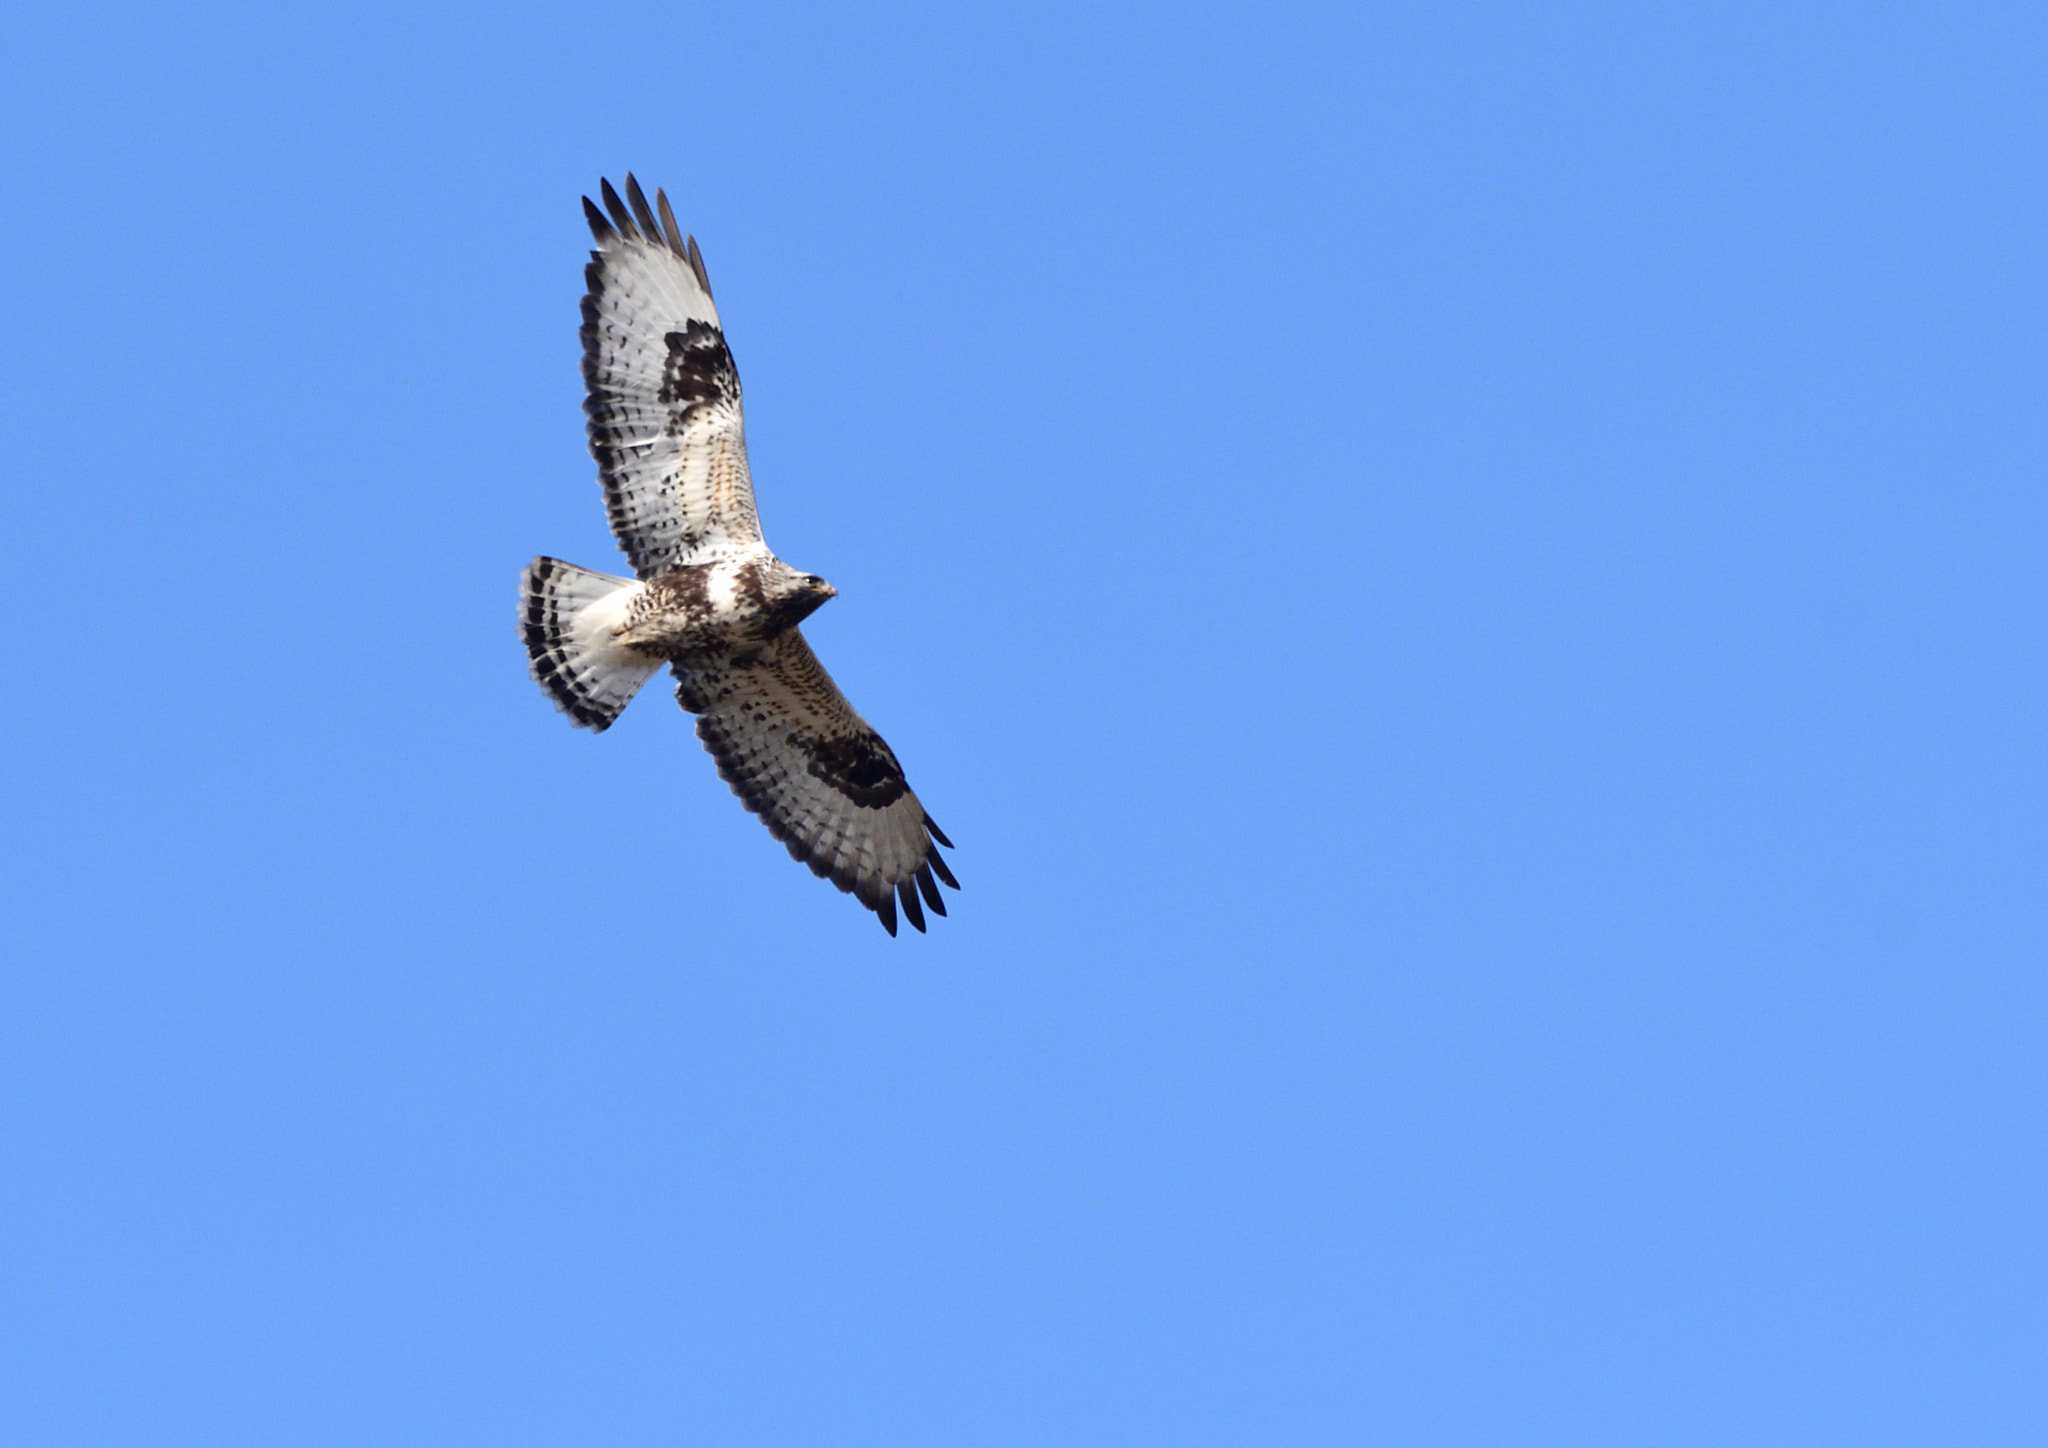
pixel 710 600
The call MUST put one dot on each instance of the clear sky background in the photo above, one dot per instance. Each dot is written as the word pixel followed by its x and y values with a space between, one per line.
pixel 1468 581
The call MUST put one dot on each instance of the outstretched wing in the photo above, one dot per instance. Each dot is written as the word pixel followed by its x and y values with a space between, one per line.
pixel 823 782
pixel 663 397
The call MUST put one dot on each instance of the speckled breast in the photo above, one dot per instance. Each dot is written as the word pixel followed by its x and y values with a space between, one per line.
pixel 705 608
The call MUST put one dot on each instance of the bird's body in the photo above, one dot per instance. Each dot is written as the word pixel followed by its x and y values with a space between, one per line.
pixel 705 614
pixel 711 601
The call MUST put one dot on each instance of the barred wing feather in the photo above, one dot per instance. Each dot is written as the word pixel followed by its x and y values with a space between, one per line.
pixel 663 397
pixel 820 778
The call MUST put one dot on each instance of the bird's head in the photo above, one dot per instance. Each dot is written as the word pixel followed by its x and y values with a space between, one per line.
pixel 795 596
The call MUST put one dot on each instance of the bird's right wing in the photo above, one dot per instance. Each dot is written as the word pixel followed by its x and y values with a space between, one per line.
pixel 819 777
pixel 663 397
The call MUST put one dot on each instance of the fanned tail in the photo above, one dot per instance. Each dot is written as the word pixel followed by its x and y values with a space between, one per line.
pixel 567 618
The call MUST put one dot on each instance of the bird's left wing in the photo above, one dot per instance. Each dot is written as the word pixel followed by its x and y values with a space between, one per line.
pixel 662 395
pixel 820 778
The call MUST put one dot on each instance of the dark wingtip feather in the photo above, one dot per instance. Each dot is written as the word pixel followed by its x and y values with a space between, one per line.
pixel 912 911
pixel 621 217
pixel 599 227
pixel 937 833
pixel 668 225
pixel 885 911
pixel 642 212
pixel 930 890
pixel 697 265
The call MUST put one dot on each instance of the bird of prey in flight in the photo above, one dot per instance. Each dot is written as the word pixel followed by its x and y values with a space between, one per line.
pixel 708 598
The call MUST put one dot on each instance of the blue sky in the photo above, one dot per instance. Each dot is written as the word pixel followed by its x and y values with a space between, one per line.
pixel 1466 579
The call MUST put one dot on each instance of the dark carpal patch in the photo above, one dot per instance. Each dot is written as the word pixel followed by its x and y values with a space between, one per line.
pixel 859 766
pixel 699 373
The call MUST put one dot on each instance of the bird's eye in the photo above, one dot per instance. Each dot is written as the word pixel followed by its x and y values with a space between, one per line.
pixel 814 581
